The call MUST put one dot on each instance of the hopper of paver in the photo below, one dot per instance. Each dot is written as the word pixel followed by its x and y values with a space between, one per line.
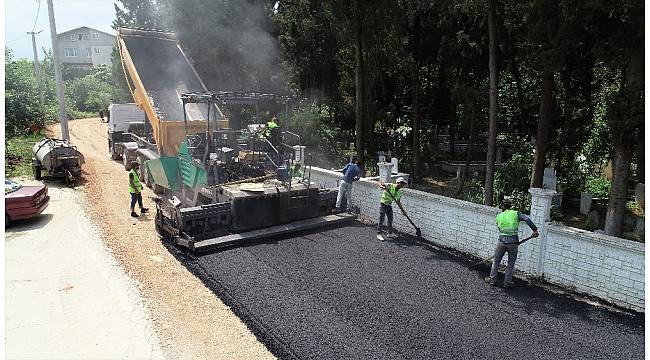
pixel 157 72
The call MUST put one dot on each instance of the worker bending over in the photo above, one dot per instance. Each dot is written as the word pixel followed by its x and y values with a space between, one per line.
pixel 351 173
pixel 508 224
pixel 272 132
pixel 391 192
pixel 295 171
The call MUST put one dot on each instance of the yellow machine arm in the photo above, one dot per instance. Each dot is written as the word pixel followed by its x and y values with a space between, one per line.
pixel 170 132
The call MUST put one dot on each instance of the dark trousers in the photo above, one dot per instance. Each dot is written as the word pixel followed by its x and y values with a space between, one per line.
pixel 136 197
pixel 387 211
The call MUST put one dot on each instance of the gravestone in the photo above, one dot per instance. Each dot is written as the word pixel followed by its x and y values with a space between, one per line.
pixel 593 220
pixel 299 151
pixel 499 155
pixel 550 180
pixel 585 202
pixel 385 170
pixel 639 195
pixel 395 163
pixel 639 228
pixel 381 156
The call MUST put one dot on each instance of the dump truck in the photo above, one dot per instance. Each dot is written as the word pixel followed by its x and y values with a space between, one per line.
pixel 221 185
pixel 157 71
pixel 125 121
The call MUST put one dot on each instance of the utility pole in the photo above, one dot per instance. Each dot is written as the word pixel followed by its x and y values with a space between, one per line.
pixel 63 119
pixel 37 67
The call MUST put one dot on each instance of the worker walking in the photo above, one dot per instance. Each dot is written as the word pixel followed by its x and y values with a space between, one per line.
pixel 508 224
pixel 135 188
pixel 351 173
pixel 392 192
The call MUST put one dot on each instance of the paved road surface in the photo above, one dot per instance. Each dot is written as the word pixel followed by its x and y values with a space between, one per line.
pixel 342 294
pixel 65 296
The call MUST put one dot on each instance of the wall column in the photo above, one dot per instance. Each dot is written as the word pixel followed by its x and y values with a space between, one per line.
pixel 540 214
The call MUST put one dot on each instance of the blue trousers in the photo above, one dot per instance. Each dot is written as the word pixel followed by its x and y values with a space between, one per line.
pixel 136 197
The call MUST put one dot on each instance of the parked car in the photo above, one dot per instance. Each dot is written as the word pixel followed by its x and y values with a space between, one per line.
pixel 24 202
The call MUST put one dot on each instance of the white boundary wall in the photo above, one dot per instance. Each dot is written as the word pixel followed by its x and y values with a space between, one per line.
pixel 607 267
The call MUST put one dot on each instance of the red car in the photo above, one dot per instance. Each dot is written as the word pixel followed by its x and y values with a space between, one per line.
pixel 24 202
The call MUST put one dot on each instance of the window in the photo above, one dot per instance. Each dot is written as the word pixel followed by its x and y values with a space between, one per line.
pixel 79 36
pixel 95 36
pixel 87 52
pixel 72 37
pixel 70 52
pixel 97 50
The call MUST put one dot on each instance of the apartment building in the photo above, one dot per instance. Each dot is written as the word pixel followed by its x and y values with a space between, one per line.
pixel 84 47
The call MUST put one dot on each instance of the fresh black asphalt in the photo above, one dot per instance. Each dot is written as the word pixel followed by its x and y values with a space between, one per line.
pixel 342 294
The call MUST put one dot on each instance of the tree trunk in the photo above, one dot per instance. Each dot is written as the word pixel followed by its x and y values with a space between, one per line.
pixel 640 163
pixel 543 128
pixel 494 93
pixel 618 192
pixel 416 103
pixel 631 93
pixel 359 79
pixel 470 148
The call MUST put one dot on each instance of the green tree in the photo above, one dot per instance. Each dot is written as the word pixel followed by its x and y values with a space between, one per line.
pixel 21 95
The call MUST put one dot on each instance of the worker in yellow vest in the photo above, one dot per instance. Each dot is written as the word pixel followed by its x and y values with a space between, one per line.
pixel 135 188
pixel 272 131
pixel 508 224
pixel 392 192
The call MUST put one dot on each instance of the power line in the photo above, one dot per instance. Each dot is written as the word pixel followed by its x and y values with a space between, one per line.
pixel 16 39
pixel 37 12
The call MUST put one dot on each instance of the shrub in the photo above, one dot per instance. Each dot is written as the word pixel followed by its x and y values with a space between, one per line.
pixel 598 186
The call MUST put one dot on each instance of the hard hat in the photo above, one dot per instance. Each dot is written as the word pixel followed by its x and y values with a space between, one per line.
pixel 401 180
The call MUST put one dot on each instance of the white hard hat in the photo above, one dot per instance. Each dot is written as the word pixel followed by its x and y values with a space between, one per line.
pixel 401 180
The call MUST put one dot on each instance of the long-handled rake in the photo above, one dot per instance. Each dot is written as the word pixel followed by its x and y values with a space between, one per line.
pixel 418 232
pixel 492 257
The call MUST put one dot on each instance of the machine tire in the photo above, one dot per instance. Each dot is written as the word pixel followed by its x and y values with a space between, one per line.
pixel 7 221
pixel 125 159
pixel 157 189
pixel 114 155
pixel 37 171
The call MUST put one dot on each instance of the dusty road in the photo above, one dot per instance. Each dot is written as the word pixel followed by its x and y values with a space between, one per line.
pixel 66 296
pixel 189 320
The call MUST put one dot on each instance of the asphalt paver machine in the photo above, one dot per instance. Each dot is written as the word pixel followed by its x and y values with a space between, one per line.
pixel 234 186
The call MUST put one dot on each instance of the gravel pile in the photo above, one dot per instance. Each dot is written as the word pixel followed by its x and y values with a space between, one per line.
pixel 190 321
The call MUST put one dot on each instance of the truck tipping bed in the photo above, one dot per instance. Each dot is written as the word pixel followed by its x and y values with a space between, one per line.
pixel 157 72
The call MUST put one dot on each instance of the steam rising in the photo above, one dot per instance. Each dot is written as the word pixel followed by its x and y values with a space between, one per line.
pixel 230 42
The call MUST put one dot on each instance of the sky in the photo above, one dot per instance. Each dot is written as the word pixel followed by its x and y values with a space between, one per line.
pixel 69 14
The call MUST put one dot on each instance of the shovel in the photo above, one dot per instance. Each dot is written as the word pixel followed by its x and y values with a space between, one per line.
pixel 418 232
pixel 492 257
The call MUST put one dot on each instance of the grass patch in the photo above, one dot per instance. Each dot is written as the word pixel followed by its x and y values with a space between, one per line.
pixel 18 154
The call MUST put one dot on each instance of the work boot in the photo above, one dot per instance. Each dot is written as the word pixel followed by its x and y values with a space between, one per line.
pixel 507 285
pixel 490 281
pixel 144 210
pixel 133 214
pixel 336 210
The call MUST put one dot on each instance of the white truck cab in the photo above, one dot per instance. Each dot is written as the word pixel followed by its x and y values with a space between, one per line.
pixel 122 115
